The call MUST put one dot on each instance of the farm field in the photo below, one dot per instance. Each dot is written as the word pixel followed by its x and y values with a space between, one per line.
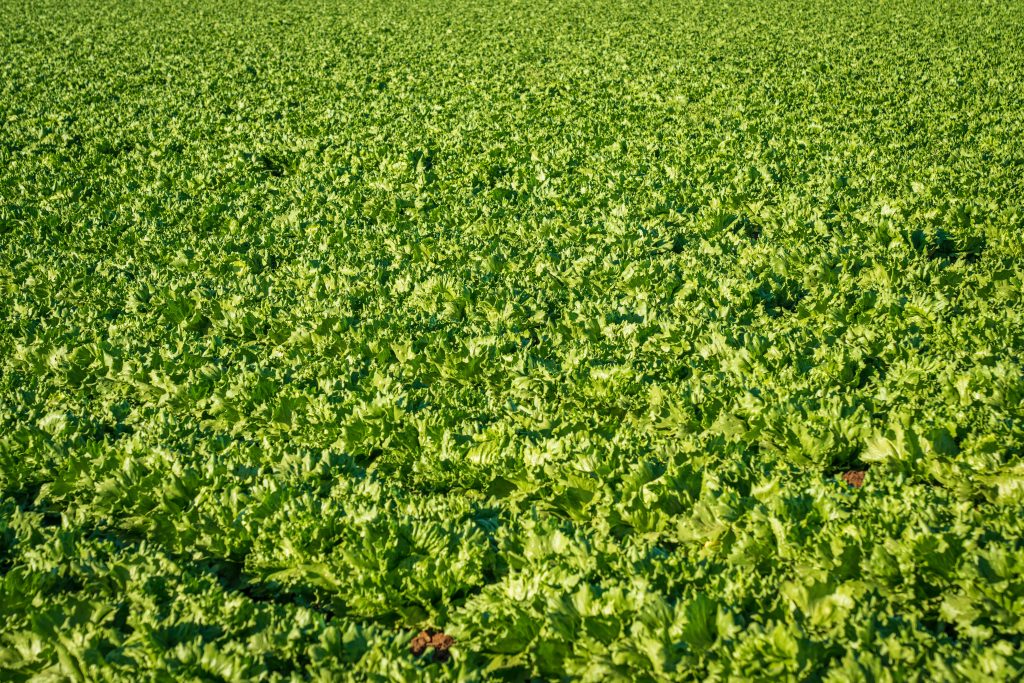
pixel 518 340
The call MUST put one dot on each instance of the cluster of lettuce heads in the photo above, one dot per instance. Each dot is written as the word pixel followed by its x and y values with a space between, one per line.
pixel 552 326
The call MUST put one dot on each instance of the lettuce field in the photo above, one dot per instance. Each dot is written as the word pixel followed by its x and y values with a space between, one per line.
pixel 523 340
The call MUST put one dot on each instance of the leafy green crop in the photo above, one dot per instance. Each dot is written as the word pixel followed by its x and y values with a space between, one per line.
pixel 564 329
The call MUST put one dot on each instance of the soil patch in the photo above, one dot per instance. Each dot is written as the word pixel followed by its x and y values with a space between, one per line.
pixel 854 478
pixel 441 643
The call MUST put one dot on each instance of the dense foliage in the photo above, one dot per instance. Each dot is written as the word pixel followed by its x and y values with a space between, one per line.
pixel 552 326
